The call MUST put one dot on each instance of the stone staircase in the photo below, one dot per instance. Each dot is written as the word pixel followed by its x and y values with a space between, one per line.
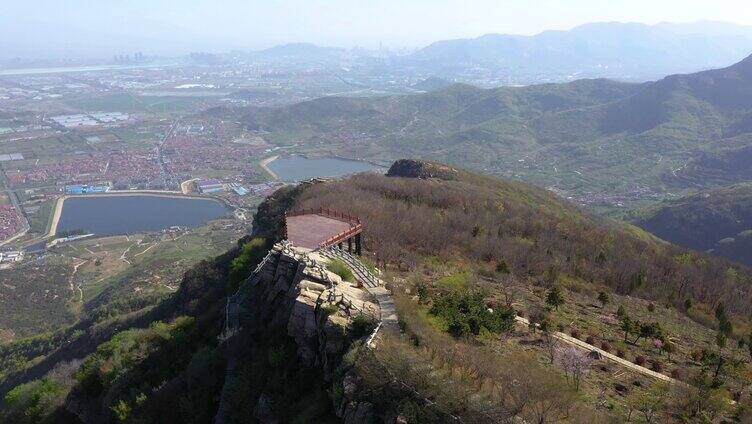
pixel 371 283
pixel 362 274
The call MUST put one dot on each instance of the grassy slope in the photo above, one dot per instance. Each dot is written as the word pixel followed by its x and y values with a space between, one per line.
pixel 37 296
pixel 143 350
pixel 454 235
pixel 489 220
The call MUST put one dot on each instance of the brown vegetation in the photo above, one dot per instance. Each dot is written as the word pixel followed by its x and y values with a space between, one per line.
pixel 480 378
pixel 508 238
pixel 528 230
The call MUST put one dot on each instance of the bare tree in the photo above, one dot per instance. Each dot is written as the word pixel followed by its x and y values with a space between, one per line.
pixel 510 289
pixel 550 342
pixel 576 363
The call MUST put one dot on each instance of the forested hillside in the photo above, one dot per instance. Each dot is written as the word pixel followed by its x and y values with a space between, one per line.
pixel 463 254
pixel 467 215
pixel 719 221
pixel 440 231
pixel 589 137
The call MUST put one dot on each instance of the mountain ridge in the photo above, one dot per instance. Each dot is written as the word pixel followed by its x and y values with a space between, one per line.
pixel 631 51
pixel 718 221
pixel 587 136
pixel 618 50
pixel 462 254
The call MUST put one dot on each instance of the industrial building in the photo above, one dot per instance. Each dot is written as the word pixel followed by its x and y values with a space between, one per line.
pixel 73 121
pixel 10 157
pixel 210 186
pixel 12 256
pixel 239 189
pixel 85 189
pixel 109 117
pixel 90 119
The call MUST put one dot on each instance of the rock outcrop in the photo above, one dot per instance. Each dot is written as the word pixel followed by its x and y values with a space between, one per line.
pixel 292 289
pixel 411 168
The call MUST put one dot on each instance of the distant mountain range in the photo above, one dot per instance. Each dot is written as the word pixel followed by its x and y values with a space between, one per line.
pixel 628 51
pixel 625 51
pixel 590 136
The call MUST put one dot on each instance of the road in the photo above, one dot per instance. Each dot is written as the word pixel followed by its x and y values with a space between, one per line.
pixel 14 200
pixel 265 166
pixel 160 156
pixel 72 282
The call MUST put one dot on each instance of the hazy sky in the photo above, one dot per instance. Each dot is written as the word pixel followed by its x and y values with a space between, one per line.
pixel 44 28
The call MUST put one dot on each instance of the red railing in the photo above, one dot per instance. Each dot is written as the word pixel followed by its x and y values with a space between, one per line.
pixel 344 235
pixel 329 213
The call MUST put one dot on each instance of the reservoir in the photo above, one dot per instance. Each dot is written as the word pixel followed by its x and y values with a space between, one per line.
pixel 298 168
pixel 128 214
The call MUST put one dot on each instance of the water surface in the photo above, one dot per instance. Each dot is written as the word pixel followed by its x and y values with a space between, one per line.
pixel 111 215
pixel 298 168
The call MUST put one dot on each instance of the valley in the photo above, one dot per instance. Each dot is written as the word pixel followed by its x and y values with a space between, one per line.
pixel 103 276
pixel 606 145
pixel 716 221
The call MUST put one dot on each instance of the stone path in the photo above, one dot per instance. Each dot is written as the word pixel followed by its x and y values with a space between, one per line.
pixel 390 320
pixel 371 283
pixel 610 356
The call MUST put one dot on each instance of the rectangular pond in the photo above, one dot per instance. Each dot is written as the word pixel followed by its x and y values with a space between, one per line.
pixel 128 214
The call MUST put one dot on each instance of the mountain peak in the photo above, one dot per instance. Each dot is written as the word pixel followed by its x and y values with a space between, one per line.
pixel 412 168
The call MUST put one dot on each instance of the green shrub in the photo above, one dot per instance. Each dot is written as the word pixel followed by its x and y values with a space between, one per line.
pixel 410 410
pixel 250 256
pixel 125 350
pixel 502 267
pixel 455 281
pixel 122 411
pixel 466 313
pixel 362 326
pixel 330 309
pixel 35 401
pixel 276 355
pixel 340 268
pixel 554 298
pixel 422 290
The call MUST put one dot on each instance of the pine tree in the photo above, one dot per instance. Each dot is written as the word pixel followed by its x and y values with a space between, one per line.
pixel 554 298
pixel 603 298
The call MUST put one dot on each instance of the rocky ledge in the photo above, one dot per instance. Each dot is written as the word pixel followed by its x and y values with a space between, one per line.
pixel 293 289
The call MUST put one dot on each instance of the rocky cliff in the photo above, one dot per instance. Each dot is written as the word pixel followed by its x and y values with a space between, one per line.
pixel 292 290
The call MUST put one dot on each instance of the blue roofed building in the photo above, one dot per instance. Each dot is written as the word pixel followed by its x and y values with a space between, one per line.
pixel 210 186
